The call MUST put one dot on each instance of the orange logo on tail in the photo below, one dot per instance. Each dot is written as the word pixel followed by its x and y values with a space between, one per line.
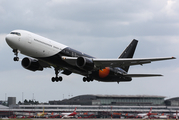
pixel 104 72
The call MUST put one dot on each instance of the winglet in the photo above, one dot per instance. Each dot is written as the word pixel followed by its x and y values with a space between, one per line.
pixel 142 75
pixel 174 58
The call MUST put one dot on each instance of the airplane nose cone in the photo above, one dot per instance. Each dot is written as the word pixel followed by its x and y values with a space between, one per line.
pixel 7 38
pixel 10 40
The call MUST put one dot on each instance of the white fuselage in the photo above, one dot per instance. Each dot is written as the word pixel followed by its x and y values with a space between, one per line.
pixel 68 115
pixel 33 45
pixel 163 117
pixel 142 115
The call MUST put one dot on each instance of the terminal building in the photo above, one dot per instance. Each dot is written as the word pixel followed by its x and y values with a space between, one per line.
pixel 98 105
pixel 127 100
pixel 172 102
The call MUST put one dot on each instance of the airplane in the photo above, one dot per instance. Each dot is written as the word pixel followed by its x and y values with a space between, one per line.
pixel 127 115
pixel 175 115
pixel 87 115
pixel 46 53
pixel 145 115
pixel 163 116
pixel 69 115
pixel 41 114
pixel 53 115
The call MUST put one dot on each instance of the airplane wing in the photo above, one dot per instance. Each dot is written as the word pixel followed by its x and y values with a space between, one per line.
pixel 102 63
pixel 126 61
pixel 44 64
pixel 142 75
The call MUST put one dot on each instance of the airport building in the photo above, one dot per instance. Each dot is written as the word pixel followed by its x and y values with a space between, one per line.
pixel 11 101
pixel 172 102
pixel 127 100
pixel 99 105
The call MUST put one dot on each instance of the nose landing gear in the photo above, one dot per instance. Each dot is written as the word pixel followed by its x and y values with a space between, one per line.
pixel 16 54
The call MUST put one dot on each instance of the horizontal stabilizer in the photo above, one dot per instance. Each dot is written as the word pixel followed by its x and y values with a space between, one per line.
pixel 142 75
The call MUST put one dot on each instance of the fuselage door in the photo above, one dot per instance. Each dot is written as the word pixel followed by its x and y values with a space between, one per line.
pixel 29 39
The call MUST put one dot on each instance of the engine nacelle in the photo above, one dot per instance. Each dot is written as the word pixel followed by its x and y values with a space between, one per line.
pixel 85 63
pixel 31 64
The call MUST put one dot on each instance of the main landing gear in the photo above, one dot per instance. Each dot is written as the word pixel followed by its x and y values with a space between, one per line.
pixel 87 79
pixel 16 54
pixel 57 78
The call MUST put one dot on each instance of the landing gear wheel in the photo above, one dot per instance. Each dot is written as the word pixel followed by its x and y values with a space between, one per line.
pixel 16 54
pixel 56 79
pixel 60 78
pixel 16 59
pixel 84 79
pixel 88 79
pixel 53 79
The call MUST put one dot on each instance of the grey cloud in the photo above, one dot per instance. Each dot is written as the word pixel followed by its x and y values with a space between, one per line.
pixel 91 18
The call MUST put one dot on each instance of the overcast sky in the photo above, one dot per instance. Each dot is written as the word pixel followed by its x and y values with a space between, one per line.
pixel 101 28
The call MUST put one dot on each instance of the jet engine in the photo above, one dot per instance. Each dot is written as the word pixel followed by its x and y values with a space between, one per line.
pixel 31 64
pixel 85 63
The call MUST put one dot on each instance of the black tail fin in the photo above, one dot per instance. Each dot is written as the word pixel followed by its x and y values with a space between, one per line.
pixel 129 52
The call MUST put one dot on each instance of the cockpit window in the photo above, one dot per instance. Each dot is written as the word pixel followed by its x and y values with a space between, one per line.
pixel 16 33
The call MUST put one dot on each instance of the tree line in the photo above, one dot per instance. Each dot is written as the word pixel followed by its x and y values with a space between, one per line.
pixel 28 102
